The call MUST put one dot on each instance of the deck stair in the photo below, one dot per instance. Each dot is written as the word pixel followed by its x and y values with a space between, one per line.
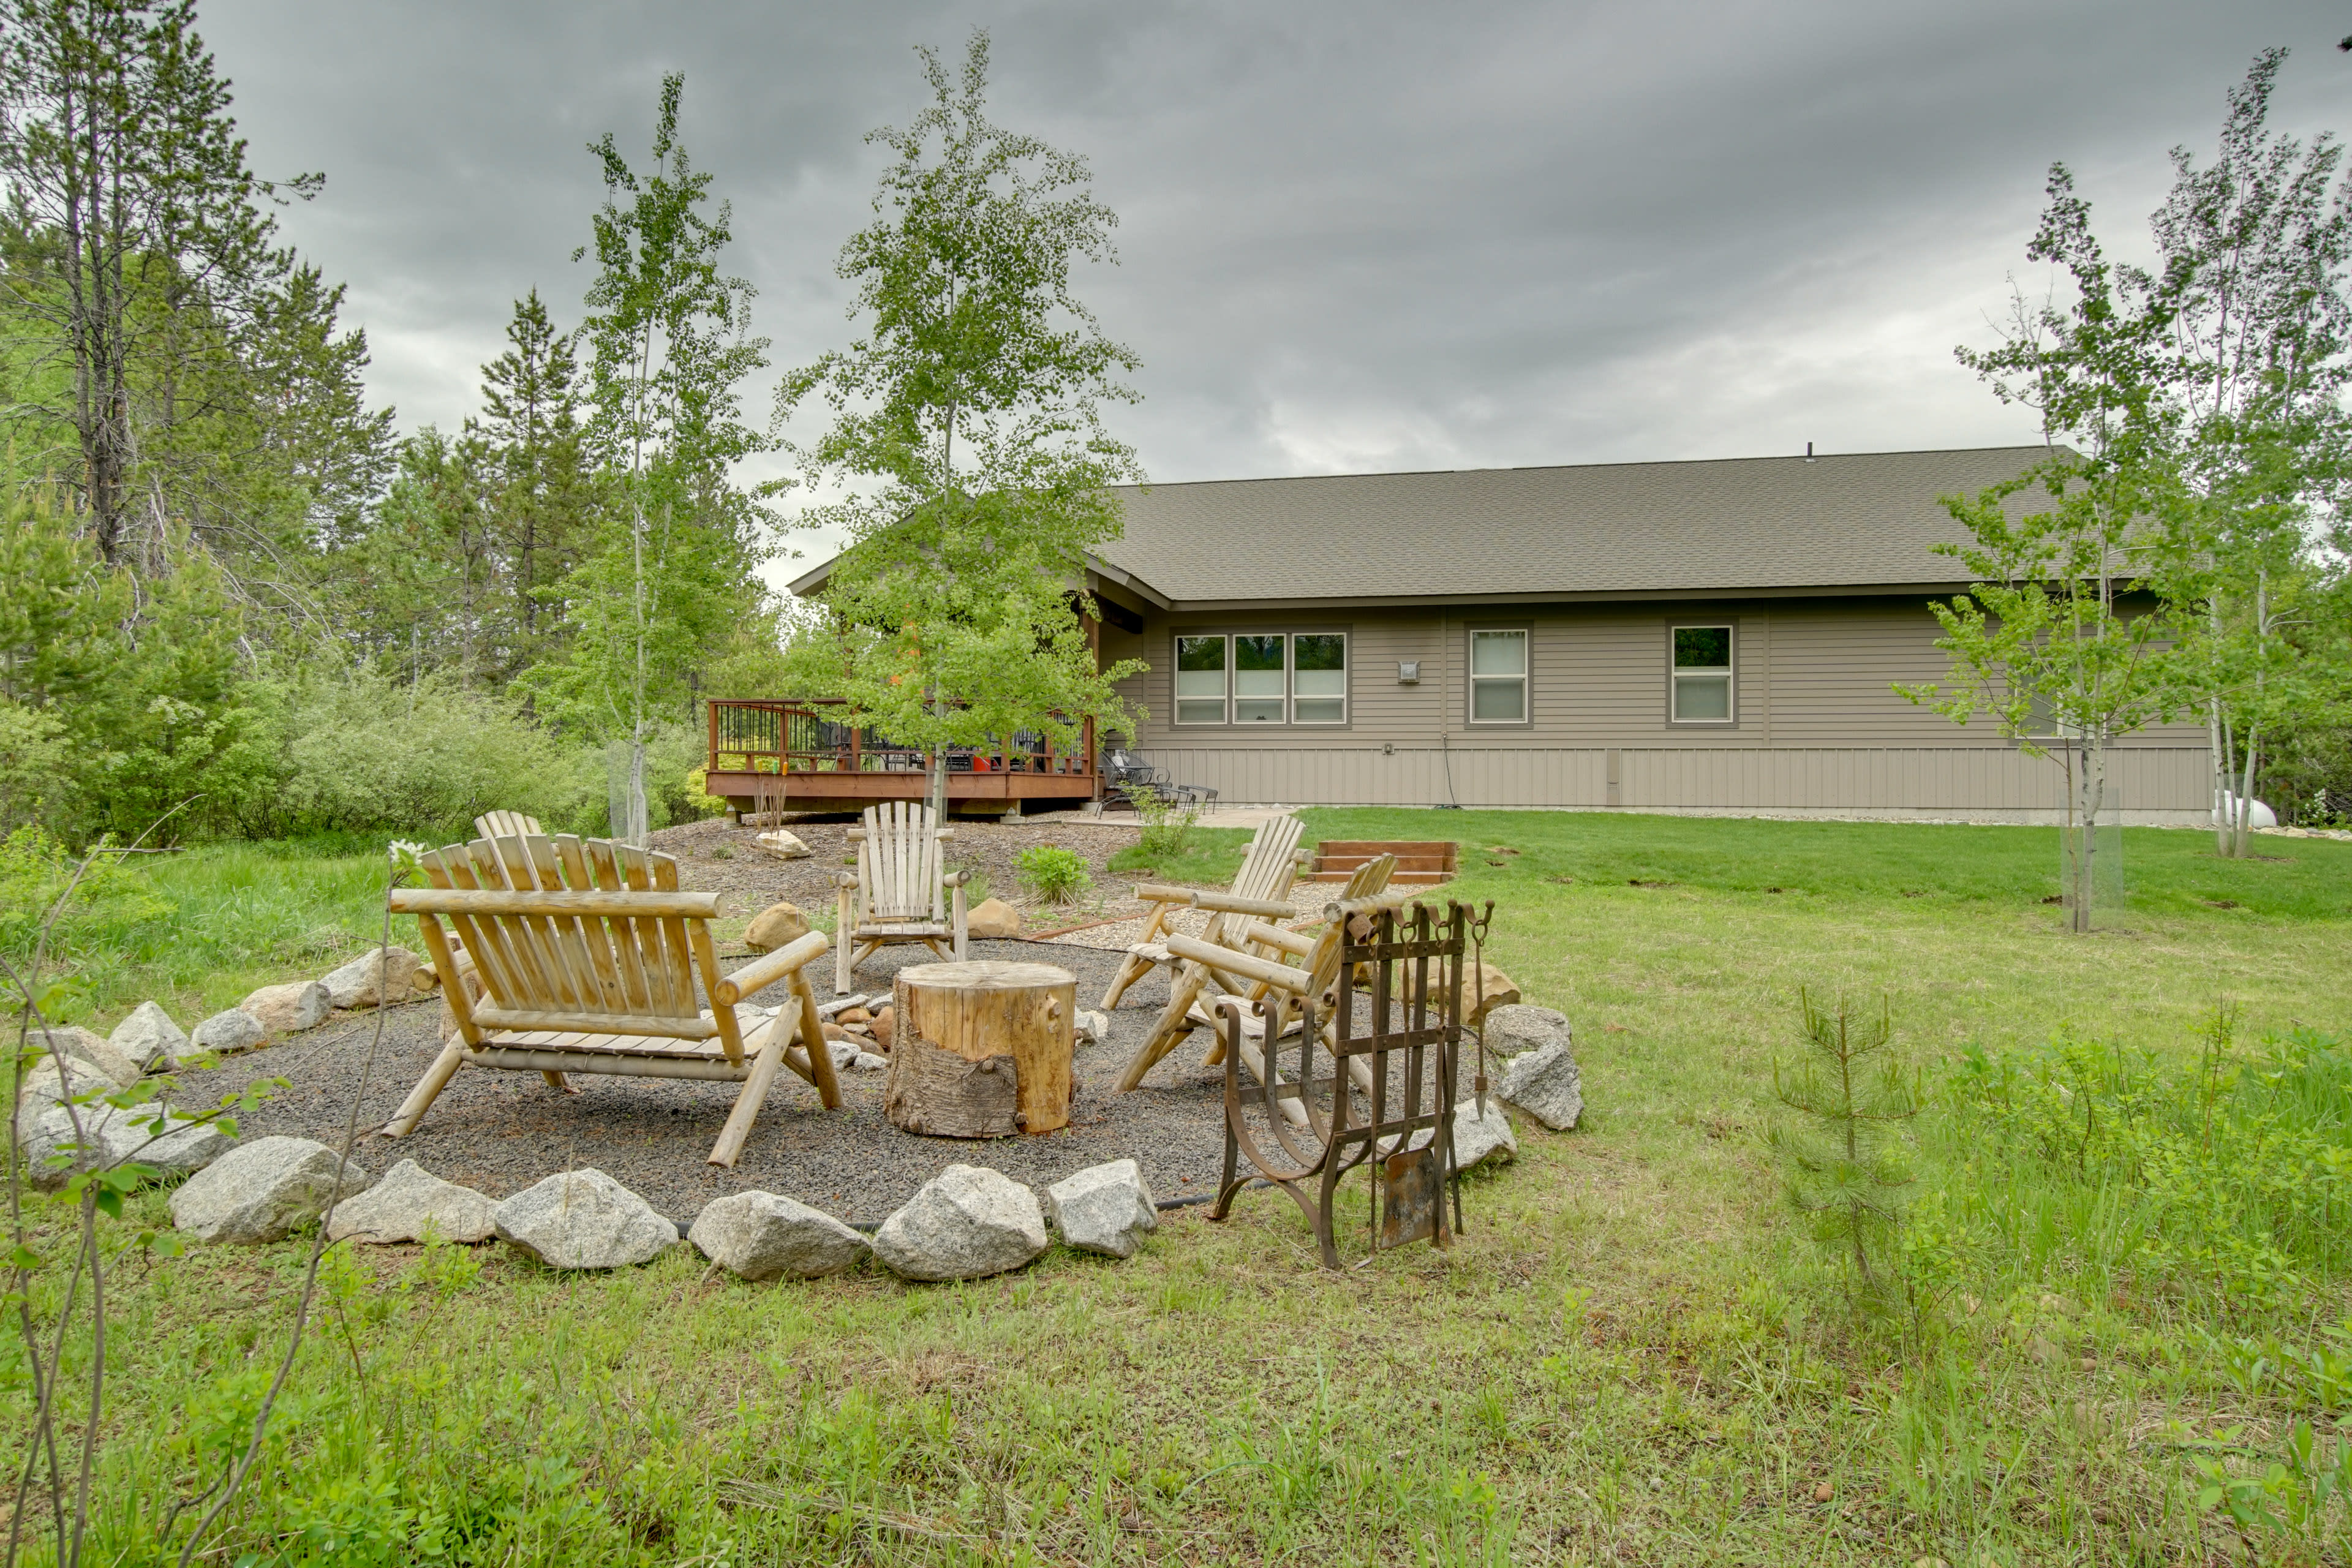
pixel 1418 864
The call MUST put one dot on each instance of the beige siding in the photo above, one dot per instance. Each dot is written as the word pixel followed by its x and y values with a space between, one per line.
pixel 1818 726
pixel 2154 783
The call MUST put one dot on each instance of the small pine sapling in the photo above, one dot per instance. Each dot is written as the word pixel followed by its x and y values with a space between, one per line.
pixel 1843 1165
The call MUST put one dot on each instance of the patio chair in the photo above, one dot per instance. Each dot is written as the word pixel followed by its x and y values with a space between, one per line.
pixel 900 890
pixel 1238 970
pixel 507 824
pixel 587 954
pixel 1268 868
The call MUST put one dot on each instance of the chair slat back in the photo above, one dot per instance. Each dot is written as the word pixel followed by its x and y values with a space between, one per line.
pixel 1268 868
pixel 507 824
pixel 609 966
pixel 898 865
pixel 1271 862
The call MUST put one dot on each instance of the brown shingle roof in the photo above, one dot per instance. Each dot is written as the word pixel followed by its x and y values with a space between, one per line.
pixel 1862 520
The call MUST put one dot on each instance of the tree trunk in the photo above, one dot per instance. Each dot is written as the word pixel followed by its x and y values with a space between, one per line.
pixel 981 1049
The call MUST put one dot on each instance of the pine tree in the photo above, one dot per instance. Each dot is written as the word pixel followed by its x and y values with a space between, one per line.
pixel 542 485
pixel 1843 1167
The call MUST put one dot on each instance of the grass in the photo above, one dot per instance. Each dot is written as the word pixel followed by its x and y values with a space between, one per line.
pixel 1210 858
pixel 199 930
pixel 1633 1356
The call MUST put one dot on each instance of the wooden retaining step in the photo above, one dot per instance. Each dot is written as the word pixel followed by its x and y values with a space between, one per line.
pixel 1420 863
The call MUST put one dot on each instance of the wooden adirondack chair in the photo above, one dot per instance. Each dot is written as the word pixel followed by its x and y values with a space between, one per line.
pixel 587 954
pixel 507 824
pixel 1236 963
pixel 900 891
pixel 1268 869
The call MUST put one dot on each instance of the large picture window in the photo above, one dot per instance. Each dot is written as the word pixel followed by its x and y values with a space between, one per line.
pixel 1702 678
pixel 1498 677
pixel 1262 678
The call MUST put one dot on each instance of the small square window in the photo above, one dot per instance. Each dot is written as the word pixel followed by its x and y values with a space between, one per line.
pixel 1498 677
pixel 1201 681
pixel 1701 675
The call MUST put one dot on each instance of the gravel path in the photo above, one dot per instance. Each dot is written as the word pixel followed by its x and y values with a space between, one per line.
pixel 500 1131
pixel 719 857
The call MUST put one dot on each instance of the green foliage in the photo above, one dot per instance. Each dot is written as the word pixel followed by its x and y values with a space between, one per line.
pixel 1208 855
pixel 35 871
pixel 1055 874
pixel 2227 1178
pixel 966 425
pixel 1841 1165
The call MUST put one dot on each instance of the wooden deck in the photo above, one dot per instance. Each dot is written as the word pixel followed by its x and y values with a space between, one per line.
pixel 790 756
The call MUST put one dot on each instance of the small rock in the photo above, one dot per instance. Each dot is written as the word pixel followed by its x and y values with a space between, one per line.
pixel 584 1219
pixel 292 1008
pixel 966 1223
pixel 1547 1085
pixel 783 844
pixel 849 1015
pixel 234 1030
pixel 1092 1023
pixel 262 1191
pixel 85 1045
pixel 357 983
pixel 844 1052
pixel 764 1236
pixel 834 1033
pixel 778 925
pixel 1104 1209
pixel 993 919
pixel 149 1037
pixel 407 1200
pixel 1485 990
pixel 885 1024
pixel 1516 1028
pixel 869 1062
pixel 1479 1140
pixel 840 1004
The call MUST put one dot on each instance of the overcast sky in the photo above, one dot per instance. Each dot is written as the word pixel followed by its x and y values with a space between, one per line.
pixel 1353 237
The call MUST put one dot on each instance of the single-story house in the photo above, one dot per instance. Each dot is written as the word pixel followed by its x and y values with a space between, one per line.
pixel 1707 636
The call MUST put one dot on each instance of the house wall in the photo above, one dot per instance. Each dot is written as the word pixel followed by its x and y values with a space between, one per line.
pixel 1817 726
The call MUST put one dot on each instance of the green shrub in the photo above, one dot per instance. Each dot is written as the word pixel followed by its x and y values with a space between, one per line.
pixel 2228 1177
pixel 1055 875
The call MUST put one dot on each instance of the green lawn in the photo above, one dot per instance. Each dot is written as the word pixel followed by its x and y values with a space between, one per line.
pixel 1634 1355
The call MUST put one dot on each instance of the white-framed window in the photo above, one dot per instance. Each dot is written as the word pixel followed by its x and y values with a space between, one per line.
pixel 1201 679
pixel 1262 678
pixel 1318 678
pixel 1701 675
pixel 1498 676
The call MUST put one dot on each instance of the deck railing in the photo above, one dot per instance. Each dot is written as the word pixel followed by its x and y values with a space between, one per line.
pixel 784 738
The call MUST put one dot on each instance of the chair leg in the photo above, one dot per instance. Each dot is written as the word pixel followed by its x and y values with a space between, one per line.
pixel 1133 967
pixel 820 1055
pixel 1171 1027
pixel 729 1147
pixel 957 915
pixel 842 926
pixel 428 1089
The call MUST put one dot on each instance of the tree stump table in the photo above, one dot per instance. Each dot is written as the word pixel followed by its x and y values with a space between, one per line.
pixel 981 1049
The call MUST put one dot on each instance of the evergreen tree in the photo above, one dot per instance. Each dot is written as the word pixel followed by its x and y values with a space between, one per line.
pixel 541 485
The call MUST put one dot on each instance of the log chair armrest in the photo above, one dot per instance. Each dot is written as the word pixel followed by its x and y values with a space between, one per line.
pixel 763 972
pixel 845 878
pixel 1223 903
pixel 955 879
